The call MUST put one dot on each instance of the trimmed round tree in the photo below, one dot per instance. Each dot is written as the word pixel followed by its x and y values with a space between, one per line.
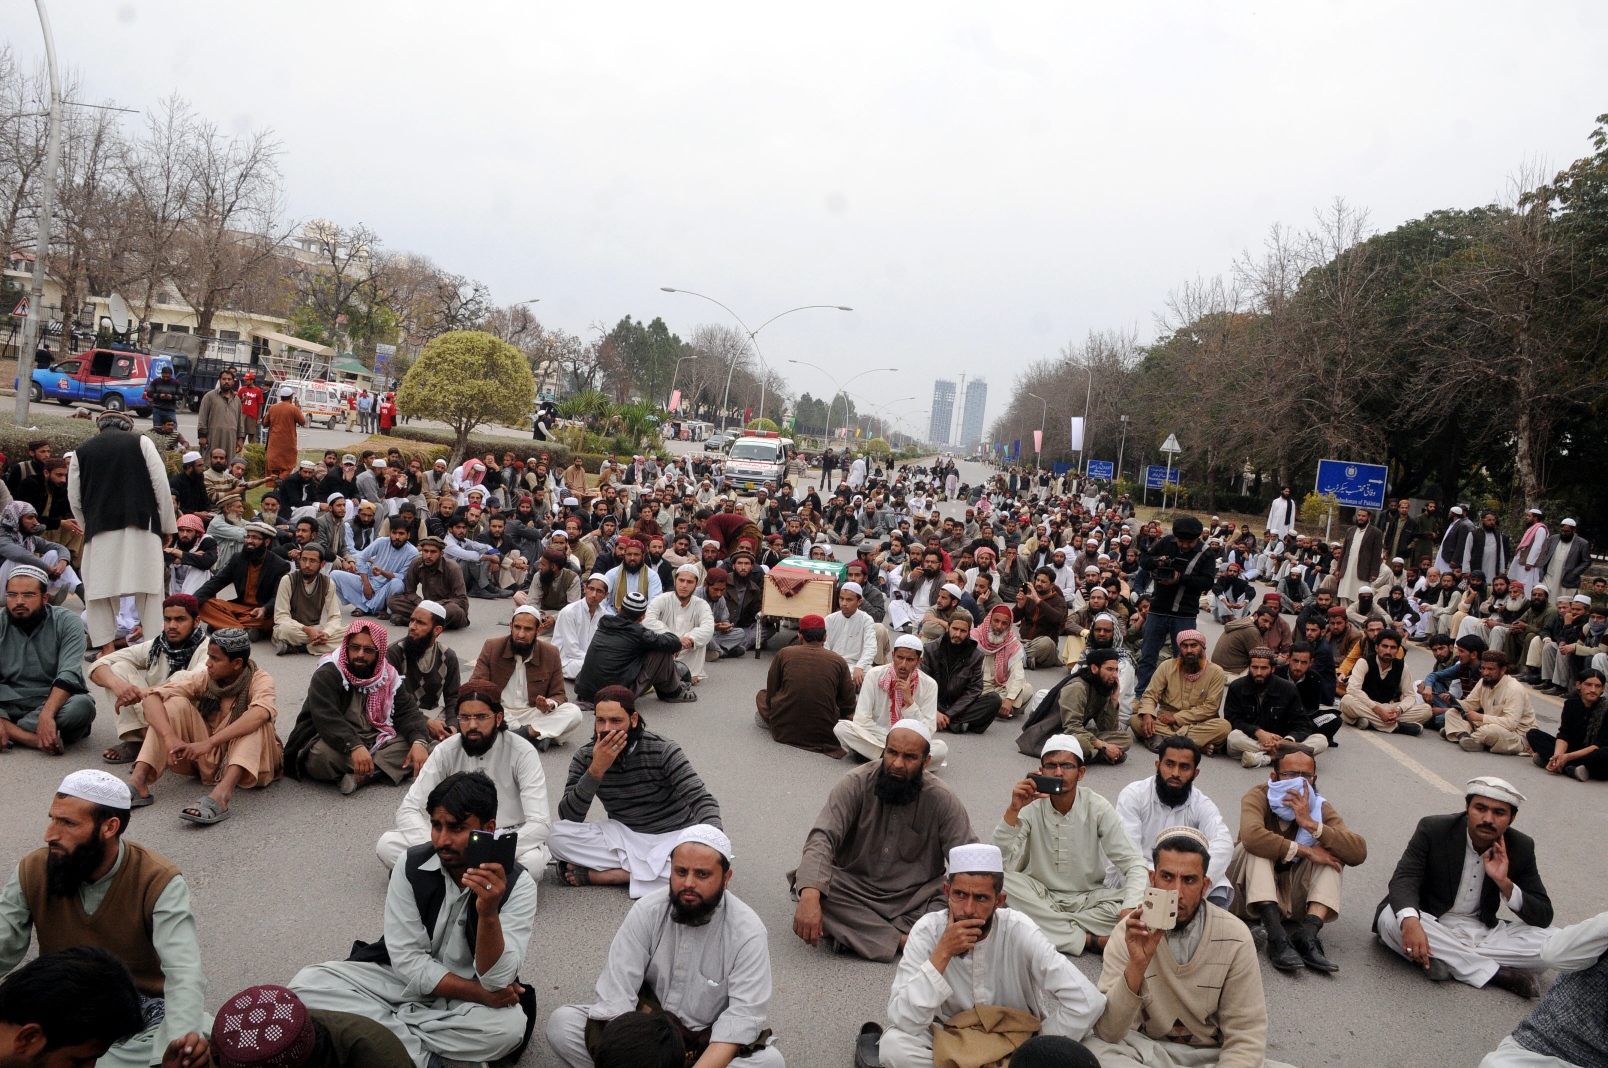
pixel 468 378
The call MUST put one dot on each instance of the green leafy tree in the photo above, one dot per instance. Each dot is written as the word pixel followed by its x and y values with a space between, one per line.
pixel 760 424
pixel 466 379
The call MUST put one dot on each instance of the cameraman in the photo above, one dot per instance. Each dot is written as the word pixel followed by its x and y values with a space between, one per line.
pixel 1182 568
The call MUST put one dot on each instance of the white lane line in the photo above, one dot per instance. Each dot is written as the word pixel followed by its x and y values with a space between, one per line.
pixel 1408 762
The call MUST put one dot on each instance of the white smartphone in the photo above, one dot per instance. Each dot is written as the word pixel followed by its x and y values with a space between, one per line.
pixel 1160 910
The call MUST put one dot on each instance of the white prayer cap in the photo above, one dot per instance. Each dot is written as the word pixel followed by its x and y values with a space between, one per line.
pixel 30 571
pixel 1457 509
pixel 908 641
pixel 710 541
pixel 307 464
pixel 333 497
pixel 571 502
pixel 688 569
pixel 1364 589
pixel 378 462
pixel 859 591
pixel 191 457
pixel 97 787
pixel 1494 788
pixel 1542 586
pixel 1092 568
pixel 1536 511
pixel 1397 560
pixel 1568 523
pixel 529 610
pixel 705 835
pixel 915 726
pixel 1581 598
pixel 954 591
pixel 1062 743
pixel 1107 616
pixel 976 857
pixel 435 609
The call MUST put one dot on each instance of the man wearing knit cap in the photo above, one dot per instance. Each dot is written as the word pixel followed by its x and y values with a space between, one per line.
pixel 1189 997
pixel 90 886
pixel 890 693
pixel 529 677
pixel 1457 872
pixel 431 577
pixel 874 861
pixel 808 690
pixel 269 1027
pixel 700 950
pixel 44 703
pixel 118 488
pixel 1183 697
pixel 983 973
pixel 1057 847
pixel 623 648
pixel 680 612
pixel 180 646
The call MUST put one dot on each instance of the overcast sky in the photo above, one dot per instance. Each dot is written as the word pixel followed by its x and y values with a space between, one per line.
pixel 982 186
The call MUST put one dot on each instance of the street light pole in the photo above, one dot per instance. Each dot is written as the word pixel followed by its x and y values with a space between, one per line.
pixel 1083 454
pixel 676 377
pixel 753 339
pixel 837 392
pixel 1120 445
pixel 32 325
pixel 1038 453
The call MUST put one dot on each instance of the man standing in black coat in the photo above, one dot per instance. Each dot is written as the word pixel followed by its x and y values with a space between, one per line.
pixel 1444 895
pixel 622 648
pixel 1182 567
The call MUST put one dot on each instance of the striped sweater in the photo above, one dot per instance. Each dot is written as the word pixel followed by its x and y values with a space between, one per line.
pixel 651 788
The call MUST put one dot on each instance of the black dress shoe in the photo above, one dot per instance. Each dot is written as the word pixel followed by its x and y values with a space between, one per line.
pixel 1517 981
pixel 1311 951
pixel 1411 730
pixel 1282 955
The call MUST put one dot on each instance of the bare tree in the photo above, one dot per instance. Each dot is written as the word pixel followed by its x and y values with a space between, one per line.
pixel 160 188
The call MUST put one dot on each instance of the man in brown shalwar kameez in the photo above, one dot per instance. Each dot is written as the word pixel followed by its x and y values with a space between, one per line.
pixel 808 690
pixel 432 577
pixel 874 861
pixel 282 420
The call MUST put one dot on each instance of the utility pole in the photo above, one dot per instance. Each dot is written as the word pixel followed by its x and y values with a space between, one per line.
pixel 32 327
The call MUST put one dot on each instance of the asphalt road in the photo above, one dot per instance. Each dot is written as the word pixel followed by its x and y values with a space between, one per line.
pixel 292 878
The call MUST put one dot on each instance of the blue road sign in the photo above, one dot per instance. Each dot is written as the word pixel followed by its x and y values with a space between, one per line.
pixel 1353 485
pixel 1156 477
pixel 1102 469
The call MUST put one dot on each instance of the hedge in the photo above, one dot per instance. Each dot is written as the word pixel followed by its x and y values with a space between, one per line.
pixel 63 434
pixel 430 444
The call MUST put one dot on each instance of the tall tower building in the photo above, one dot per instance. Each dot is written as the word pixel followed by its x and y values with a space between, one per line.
pixel 943 412
pixel 971 413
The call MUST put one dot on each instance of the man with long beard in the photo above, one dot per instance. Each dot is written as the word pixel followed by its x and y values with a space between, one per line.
pixel 1183 697
pixel 482 744
pixel 429 669
pixel 1169 799
pixel 891 694
pixel 529 676
pixel 701 951
pixel 90 887
pixel 1360 556
pixel 1057 847
pixel 255 573
pixel 955 663
pixel 358 722
pixel 873 864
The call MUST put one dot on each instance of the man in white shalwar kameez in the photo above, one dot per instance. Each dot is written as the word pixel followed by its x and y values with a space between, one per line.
pixel 851 633
pixel 482 744
pixel 1281 514
pixel 891 692
pixel 1145 813
pixel 689 618
pixel 1530 554
pixel 427 984
pixel 857 474
pixel 118 489
pixel 978 952
pixel 1567 1029
pixel 701 950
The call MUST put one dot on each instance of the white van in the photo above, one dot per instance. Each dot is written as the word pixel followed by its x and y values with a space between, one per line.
pixel 758 457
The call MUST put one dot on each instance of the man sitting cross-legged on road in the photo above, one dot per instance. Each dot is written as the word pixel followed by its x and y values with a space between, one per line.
pixel 358 722
pixel 1169 799
pixel 678 612
pixel 874 861
pixel 1057 847
pixel 1190 997
pixel 428 668
pixel 254 573
pixel 892 693
pixel 1266 713
pixel 807 691
pixel 1496 716
pixel 649 790
pixel 1580 748
pixel 1183 697
pixel 623 648
pixel 1380 694
pixel 1089 710
pixel 128 672
pixel 530 677
pixel 1457 871
pixel 43 703
pixel 216 724
pixel 693 950
pixel 1565 1030
pixel 979 971
pixel 444 979
pixel 307 609
pixel 955 663
pixel 484 744
pixel 380 567
pixel 431 577
pixel 1288 861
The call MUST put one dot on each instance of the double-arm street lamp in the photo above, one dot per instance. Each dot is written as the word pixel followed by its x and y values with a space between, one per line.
pixel 754 340
pixel 838 391
pixel 1038 453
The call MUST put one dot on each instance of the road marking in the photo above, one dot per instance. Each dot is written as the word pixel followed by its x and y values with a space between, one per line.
pixel 1409 763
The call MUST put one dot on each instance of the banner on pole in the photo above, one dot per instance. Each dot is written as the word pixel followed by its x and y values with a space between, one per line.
pixel 1016 447
pixel 1038 441
pixel 675 400
pixel 1077 433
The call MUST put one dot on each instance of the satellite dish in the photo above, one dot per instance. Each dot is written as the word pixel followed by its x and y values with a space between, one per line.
pixel 118 308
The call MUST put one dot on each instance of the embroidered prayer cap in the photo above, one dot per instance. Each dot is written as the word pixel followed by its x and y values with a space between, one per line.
pixel 688 569
pixel 1181 831
pixel 914 726
pixel 1581 598
pixel 812 622
pixel 435 609
pixel 715 574
pixel 1191 636
pixel 1364 589
pixel 378 463
pixel 333 497
pixel 97 787
pixel 264 1027
pixel 635 601
pixel 1542 586
pixel 705 835
pixel 555 556
pixel 191 457
pixel 234 642
pixel 1494 788
pixel 307 464
pixel 570 502
pixel 1061 743
pixel 976 857
pixel 858 590
pixel 30 571
pixel 908 641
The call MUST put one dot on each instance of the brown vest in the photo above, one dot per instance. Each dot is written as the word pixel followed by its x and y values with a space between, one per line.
pixel 122 925
pixel 556 596
pixel 307 606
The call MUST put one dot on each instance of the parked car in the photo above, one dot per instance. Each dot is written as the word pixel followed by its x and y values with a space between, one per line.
pixel 113 378
pixel 715 443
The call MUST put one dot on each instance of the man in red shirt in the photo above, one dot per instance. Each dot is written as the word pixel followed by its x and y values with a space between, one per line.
pixel 251 405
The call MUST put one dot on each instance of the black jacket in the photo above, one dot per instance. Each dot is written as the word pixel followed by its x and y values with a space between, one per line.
pixel 1427 876
pixel 191 490
pixel 323 715
pixel 615 656
pixel 233 574
pixel 1198 571
pixel 1276 707
pixel 958 672
pixel 115 486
